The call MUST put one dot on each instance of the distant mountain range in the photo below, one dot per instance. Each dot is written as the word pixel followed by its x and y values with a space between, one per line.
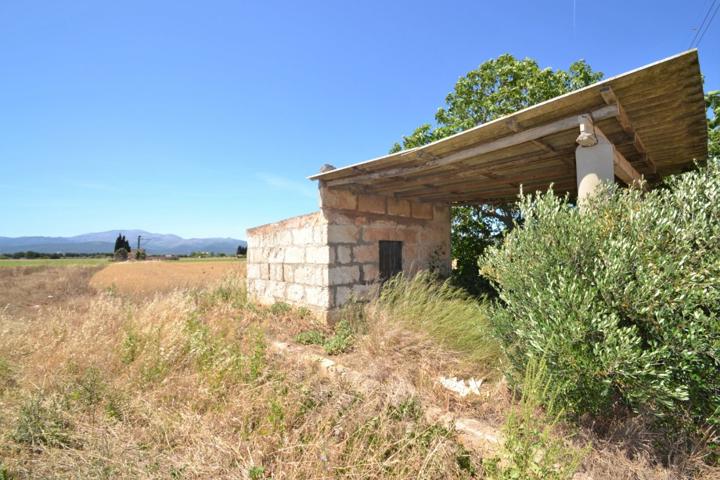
pixel 101 242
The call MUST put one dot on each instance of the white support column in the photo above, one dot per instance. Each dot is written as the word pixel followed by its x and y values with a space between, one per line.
pixel 594 159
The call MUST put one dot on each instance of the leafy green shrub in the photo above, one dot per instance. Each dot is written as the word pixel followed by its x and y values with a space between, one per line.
pixel 474 229
pixel 310 337
pixel 621 299
pixel 342 340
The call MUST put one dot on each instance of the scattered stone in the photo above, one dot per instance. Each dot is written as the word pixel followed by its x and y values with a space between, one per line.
pixel 462 387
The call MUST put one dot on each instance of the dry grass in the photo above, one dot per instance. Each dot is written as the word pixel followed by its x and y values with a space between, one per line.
pixel 29 289
pixel 162 276
pixel 395 354
pixel 180 384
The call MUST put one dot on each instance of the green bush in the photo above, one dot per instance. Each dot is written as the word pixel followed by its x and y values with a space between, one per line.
pixel 310 337
pixel 621 300
pixel 342 340
pixel 120 255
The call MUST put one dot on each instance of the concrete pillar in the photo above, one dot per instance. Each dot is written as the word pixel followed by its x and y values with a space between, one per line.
pixel 593 165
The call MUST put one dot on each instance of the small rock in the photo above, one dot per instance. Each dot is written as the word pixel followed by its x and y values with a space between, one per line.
pixel 461 387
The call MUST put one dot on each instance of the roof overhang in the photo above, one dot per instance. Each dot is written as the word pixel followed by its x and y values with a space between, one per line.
pixel 655 116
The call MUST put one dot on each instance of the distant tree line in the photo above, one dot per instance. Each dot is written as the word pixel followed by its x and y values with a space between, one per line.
pixel 32 254
pixel 54 256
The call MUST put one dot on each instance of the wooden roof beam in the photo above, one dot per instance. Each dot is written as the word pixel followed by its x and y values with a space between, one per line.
pixel 524 136
pixel 622 168
pixel 610 98
pixel 541 174
pixel 513 125
pixel 494 195
pixel 625 171
pixel 483 171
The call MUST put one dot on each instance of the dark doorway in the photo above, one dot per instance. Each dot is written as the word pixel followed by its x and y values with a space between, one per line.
pixel 390 259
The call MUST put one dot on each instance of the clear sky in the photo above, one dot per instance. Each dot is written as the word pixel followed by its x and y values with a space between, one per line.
pixel 203 118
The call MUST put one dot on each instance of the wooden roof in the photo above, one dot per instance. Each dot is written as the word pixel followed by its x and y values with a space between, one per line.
pixel 655 116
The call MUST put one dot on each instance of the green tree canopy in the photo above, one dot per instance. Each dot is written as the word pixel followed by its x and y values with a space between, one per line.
pixel 118 243
pixel 712 99
pixel 498 87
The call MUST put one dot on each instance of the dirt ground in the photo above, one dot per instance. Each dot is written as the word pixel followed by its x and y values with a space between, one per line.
pixel 160 276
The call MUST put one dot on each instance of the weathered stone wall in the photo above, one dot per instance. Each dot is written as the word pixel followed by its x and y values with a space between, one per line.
pixel 324 259
pixel 358 222
pixel 289 261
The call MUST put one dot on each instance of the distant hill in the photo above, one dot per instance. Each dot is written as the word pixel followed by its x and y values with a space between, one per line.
pixel 101 242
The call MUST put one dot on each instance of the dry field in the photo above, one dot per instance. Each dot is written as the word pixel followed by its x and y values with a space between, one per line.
pixel 170 381
pixel 162 276
pixel 184 383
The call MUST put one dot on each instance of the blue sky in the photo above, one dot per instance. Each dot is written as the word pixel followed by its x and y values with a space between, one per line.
pixel 204 118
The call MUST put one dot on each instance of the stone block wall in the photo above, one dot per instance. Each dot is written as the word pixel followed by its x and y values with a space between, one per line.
pixel 289 261
pixel 324 259
pixel 356 224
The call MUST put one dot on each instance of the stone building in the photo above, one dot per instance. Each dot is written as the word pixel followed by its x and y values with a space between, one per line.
pixel 391 214
pixel 324 259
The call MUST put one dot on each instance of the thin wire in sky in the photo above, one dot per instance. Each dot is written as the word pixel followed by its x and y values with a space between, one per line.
pixel 708 26
pixel 703 28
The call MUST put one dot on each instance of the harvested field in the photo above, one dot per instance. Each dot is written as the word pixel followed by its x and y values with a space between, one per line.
pixel 53 262
pixel 28 289
pixel 184 384
pixel 163 276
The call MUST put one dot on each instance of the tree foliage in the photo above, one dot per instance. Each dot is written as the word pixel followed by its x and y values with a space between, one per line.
pixel 712 100
pixel 498 87
pixel 122 243
pixel 473 229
